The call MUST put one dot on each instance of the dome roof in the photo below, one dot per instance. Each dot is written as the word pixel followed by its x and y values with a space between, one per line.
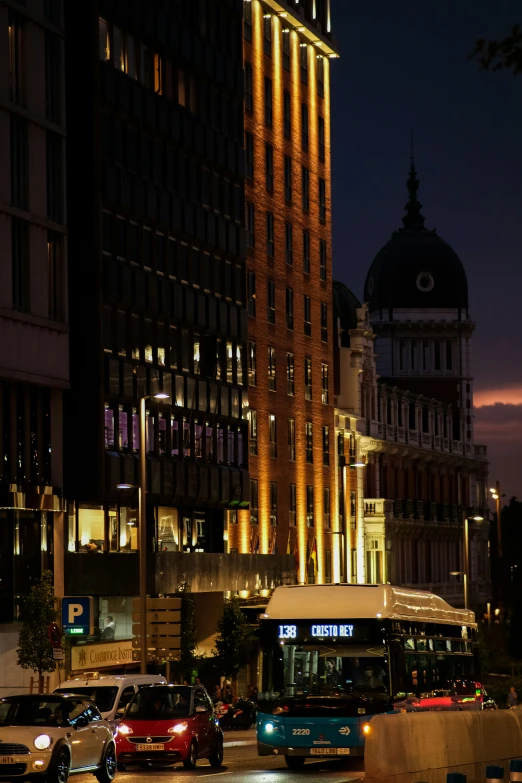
pixel 345 305
pixel 416 269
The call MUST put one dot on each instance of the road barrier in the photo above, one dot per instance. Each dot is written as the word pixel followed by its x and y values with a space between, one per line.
pixel 445 747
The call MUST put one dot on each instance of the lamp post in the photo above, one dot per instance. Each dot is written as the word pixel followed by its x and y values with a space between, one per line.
pixel 142 525
pixel 465 572
pixel 496 495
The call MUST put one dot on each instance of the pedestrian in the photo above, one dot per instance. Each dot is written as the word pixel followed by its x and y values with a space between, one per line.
pixel 512 699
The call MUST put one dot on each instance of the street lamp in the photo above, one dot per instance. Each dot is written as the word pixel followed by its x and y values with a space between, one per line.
pixel 465 573
pixel 496 495
pixel 142 524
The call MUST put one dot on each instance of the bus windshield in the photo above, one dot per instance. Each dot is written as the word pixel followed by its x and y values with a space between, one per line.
pixel 324 671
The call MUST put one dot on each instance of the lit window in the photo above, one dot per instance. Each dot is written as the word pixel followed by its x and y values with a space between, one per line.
pixel 252 434
pixel 174 437
pixel 105 46
pixel 161 356
pixel 309 445
pixel 308 378
pixel 324 384
pixel 109 427
pixel 230 363
pixel 197 356
pixel 271 368
pixel 326 445
pixel 123 429
pixel 252 364
pixel 290 374
pixel 239 364
pixel 148 353
pixel 272 432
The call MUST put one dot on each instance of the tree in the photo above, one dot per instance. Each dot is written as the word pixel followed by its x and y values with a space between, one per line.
pixel 38 612
pixel 232 630
pixel 189 640
pixel 504 54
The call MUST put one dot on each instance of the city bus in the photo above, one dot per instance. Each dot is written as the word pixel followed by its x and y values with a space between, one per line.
pixel 335 655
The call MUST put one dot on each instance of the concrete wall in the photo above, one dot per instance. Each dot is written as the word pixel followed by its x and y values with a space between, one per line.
pixel 411 747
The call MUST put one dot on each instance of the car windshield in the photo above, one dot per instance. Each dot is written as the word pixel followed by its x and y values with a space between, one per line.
pixel 36 711
pixel 160 703
pixel 102 695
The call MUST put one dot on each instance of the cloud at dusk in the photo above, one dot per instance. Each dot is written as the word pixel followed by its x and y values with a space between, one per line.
pixel 499 427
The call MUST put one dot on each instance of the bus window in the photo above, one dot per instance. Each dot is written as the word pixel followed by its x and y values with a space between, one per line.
pixel 409 644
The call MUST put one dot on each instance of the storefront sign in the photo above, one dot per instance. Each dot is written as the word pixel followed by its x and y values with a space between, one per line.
pixel 101 656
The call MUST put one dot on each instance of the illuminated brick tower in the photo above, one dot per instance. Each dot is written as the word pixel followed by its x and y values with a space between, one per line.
pixel 287 51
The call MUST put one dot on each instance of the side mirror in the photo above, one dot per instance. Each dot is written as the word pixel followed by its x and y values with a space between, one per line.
pixel 81 722
pixel 120 712
pixel 201 709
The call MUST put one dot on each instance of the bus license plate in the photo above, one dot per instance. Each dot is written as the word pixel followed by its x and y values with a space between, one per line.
pixel 7 760
pixel 329 751
pixel 155 746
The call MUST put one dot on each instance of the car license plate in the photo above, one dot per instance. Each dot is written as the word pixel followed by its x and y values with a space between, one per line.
pixel 152 746
pixel 7 760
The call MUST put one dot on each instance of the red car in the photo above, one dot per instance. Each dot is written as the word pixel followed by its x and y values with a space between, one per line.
pixel 167 724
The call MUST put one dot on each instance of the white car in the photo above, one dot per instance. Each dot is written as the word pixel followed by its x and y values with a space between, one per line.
pixel 49 737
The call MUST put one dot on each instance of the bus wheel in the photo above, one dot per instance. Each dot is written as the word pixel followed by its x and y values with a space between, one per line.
pixel 295 762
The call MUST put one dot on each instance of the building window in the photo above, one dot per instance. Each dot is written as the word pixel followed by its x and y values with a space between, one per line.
pixel 326 506
pixel 270 292
pixel 306 189
pixel 322 199
pixel 285 36
pixel 290 308
pixel 252 364
pixel 307 316
pixel 402 354
pixel 292 506
pixel 425 355
pixel 322 260
pixel 230 362
pixel 290 374
pixel 267 34
pixel 449 355
pixel 437 355
pixel 289 253
pixel 248 87
pixel 291 440
pixel 321 139
pixel 288 178
pixel 304 127
pixel 309 506
pixel 109 426
pixel 269 167
pixel 271 368
pixel 324 322
pixel 249 156
pixel 287 114
pixel 324 384
pixel 413 354
pixel 53 77
pixel 326 445
pixel 320 76
pixel 105 46
pixel 19 162
pixel 250 224
pixel 15 57
pixel 272 435
pixel 309 445
pixel 247 20
pixel 55 176
pixel 273 502
pixel 268 102
pixel 270 246
pixel 254 503
pixel 306 252
pixel 252 431
pixel 308 378
pixel 54 276
pixel 303 62
pixel 20 264
pixel 251 283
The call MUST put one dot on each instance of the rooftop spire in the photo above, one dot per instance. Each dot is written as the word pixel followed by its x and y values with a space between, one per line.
pixel 413 217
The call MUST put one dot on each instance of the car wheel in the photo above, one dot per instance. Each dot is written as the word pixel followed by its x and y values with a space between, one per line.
pixel 191 760
pixel 59 772
pixel 216 759
pixel 107 770
pixel 295 762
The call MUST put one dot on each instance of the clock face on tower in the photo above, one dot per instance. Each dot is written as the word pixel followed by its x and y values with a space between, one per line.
pixel 425 282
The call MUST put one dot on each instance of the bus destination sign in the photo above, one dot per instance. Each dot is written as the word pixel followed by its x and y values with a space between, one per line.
pixel 316 631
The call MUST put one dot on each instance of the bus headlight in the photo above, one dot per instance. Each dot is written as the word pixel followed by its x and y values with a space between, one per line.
pixel 269 727
pixel 366 728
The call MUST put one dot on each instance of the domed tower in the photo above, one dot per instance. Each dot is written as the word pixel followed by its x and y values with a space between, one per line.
pixel 417 295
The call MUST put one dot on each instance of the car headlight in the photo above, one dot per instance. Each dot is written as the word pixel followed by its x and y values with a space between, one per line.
pixel 43 742
pixel 179 728
pixel 124 729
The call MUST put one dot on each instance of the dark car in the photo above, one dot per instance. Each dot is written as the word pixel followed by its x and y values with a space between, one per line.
pixel 168 724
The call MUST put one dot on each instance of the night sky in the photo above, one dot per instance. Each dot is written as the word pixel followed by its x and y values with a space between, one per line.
pixel 404 66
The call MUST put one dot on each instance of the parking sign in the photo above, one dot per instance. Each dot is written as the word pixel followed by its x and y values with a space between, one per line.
pixel 78 615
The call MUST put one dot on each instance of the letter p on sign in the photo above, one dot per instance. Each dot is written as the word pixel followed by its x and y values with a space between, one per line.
pixel 75 610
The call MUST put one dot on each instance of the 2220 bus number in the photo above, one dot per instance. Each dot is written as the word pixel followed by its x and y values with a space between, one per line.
pixel 301 732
